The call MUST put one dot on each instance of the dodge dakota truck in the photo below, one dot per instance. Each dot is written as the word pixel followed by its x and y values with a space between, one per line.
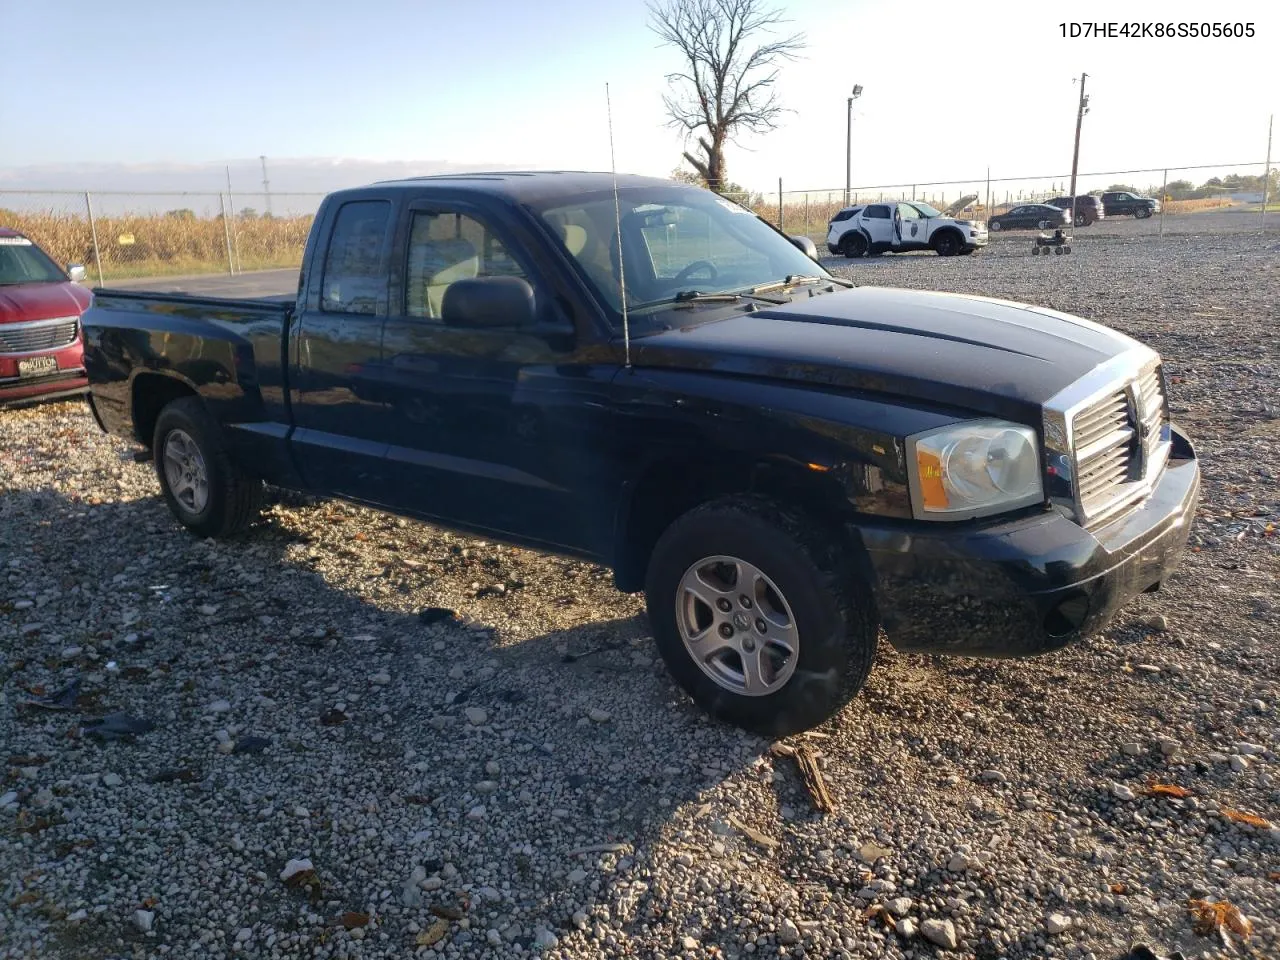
pixel 651 378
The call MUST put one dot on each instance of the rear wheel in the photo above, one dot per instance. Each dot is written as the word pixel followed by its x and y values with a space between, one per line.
pixel 994 226
pixel 208 493
pixel 760 615
pixel 853 245
pixel 1142 213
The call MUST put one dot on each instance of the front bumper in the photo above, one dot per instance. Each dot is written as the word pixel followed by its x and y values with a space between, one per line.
pixel 1031 585
pixel 64 384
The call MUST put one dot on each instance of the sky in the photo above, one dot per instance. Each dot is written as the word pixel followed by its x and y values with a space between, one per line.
pixel 150 91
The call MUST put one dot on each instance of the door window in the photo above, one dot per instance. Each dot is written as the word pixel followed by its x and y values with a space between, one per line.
pixel 447 247
pixel 355 279
pixel 877 211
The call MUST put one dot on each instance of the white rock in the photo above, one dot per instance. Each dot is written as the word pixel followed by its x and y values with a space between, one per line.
pixel 959 863
pixel 8 798
pixel 431 883
pixel 1248 749
pixel 788 932
pixel 899 906
pixel 577 876
pixel 294 867
pixel 477 716
pixel 144 919
pixel 487 786
pixel 477 812
pixel 1057 923
pixel 219 706
pixel 1239 763
pixel 1121 792
pixel 580 919
pixel 381 678
pixel 598 715
pixel 237 844
pixel 112 780
pixel 78 917
pixel 207 609
pixel 1169 746
pixel 905 928
pixel 546 940
pixel 939 932
pixel 244 934
pixel 1131 749
pixel 492 768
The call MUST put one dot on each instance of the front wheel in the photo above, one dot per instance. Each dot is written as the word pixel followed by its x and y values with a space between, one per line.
pixel 994 226
pixel 947 244
pixel 1142 213
pixel 208 493
pixel 760 615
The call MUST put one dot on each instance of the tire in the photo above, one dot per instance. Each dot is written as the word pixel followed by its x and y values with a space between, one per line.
pixel 947 244
pixel 801 576
pixel 188 443
pixel 1081 220
pixel 853 245
pixel 1142 213
pixel 994 226
pixel 1035 250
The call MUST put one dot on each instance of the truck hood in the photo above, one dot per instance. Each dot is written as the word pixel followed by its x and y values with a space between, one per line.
pixel 42 301
pixel 989 356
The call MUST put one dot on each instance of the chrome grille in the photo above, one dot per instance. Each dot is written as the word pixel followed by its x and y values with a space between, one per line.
pixel 1119 445
pixel 38 336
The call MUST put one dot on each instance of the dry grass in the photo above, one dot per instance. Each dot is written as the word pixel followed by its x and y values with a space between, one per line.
pixel 163 244
pixel 1192 206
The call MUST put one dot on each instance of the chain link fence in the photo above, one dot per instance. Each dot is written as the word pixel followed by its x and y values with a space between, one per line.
pixel 120 236
pixel 1213 198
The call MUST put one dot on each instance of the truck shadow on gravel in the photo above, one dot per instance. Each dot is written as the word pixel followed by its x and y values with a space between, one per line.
pixel 534 779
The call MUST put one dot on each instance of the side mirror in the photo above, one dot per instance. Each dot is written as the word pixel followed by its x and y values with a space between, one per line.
pixel 75 271
pixel 806 246
pixel 486 302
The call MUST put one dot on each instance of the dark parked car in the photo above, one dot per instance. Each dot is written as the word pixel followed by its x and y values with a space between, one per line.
pixel 783 464
pixel 1089 208
pixel 1125 204
pixel 1030 216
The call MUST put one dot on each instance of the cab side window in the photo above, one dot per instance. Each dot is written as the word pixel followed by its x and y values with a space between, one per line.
pixel 355 279
pixel 877 211
pixel 444 248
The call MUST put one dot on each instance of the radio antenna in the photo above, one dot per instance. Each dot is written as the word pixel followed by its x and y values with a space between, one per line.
pixel 617 219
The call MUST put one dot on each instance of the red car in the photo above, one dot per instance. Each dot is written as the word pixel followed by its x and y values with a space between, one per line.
pixel 41 350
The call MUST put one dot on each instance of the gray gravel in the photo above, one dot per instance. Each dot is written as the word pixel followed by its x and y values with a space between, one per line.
pixel 525 779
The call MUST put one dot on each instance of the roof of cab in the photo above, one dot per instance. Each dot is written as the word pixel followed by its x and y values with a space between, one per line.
pixel 526 186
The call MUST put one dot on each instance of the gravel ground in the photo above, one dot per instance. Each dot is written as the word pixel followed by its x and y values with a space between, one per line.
pixel 524 778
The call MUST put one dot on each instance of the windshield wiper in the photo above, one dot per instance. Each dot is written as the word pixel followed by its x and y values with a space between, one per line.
pixel 698 296
pixel 795 279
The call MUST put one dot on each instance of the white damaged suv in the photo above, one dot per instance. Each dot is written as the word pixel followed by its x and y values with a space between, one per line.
pixel 871 228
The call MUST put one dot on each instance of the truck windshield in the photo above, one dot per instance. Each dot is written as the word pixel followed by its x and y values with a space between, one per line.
pixel 926 210
pixel 677 242
pixel 21 261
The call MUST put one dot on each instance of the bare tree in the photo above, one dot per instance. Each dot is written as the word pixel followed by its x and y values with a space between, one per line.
pixel 727 85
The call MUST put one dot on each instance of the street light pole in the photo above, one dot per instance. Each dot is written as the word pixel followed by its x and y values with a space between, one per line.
pixel 848 145
pixel 1075 156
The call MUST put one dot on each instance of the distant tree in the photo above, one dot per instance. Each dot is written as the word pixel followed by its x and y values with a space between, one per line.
pixel 681 175
pixel 727 85
pixel 183 214
pixel 1121 188
pixel 1179 189
pixel 248 213
pixel 728 188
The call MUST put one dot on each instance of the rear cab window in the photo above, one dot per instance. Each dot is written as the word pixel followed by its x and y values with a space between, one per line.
pixel 355 272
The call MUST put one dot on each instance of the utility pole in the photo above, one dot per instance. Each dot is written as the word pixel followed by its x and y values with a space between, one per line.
pixel 848 144
pixel 1266 174
pixel 266 184
pixel 1075 156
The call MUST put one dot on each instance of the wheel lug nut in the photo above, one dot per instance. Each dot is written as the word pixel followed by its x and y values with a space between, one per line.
pixel 726 631
pixel 748 644
pixel 745 601
pixel 724 605
pixel 761 625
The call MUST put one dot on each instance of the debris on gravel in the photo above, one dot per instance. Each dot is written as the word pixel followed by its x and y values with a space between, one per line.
pixel 392 740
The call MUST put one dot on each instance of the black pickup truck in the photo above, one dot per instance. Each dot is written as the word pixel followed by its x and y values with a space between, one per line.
pixel 668 386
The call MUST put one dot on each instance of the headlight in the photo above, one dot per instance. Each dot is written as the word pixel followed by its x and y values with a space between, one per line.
pixel 973 469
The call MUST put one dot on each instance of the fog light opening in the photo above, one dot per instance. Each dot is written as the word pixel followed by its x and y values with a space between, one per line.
pixel 1068 615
